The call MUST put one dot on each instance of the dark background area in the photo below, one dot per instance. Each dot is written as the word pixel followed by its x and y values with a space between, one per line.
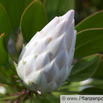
pixel 84 8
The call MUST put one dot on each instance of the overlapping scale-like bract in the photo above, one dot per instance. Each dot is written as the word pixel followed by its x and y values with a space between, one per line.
pixel 46 61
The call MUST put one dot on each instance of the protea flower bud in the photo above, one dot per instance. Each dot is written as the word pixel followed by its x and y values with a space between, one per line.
pixel 46 61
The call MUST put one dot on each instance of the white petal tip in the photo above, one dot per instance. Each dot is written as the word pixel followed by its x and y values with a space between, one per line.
pixel 69 14
pixel 75 32
pixel 38 92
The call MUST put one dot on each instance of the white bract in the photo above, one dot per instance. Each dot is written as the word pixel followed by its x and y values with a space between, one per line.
pixel 46 61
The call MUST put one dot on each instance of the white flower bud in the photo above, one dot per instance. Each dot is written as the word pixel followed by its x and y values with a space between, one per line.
pixel 46 61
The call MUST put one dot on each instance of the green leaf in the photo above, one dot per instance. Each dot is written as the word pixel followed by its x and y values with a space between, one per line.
pixel 85 68
pixel 7 69
pixel 33 20
pixel 69 88
pixel 99 73
pixel 71 4
pixel 93 21
pixel 49 99
pixel 98 83
pixel 43 1
pixel 3 53
pixel 4 74
pixel 92 91
pixel 14 10
pixel 89 42
pixel 5 26
pixel 7 75
pixel 57 7
pixel 6 98
pixel 16 98
pixel 27 2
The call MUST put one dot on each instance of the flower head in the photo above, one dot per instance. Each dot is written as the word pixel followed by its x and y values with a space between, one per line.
pixel 46 61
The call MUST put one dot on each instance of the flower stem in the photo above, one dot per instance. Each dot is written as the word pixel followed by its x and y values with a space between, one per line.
pixel 31 97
